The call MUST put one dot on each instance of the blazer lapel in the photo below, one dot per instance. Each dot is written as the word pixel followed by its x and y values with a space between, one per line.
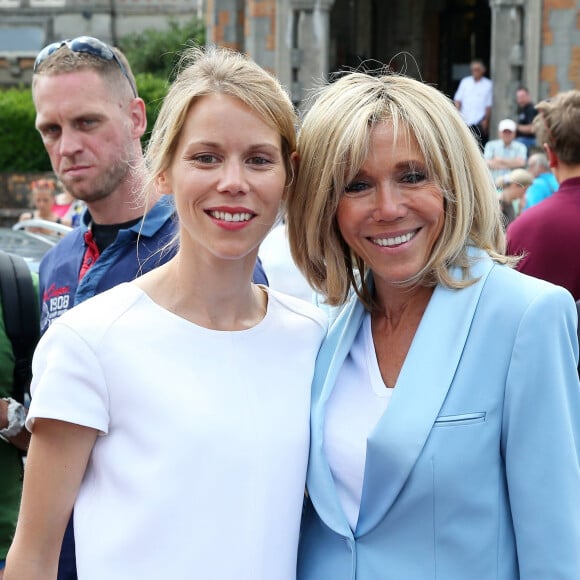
pixel 399 437
pixel 320 482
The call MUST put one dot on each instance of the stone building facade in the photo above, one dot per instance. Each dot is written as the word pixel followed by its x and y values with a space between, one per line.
pixel 535 43
pixel 28 25
pixel 531 42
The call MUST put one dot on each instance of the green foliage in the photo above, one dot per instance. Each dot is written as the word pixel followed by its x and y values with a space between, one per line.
pixel 152 90
pixel 157 51
pixel 21 148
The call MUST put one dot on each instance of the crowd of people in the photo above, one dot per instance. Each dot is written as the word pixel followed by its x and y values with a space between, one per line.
pixel 415 413
pixel 516 158
pixel 535 164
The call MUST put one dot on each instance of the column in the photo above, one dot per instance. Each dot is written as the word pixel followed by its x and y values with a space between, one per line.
pixel 224 23
pixel 310 36
pixel 260 32
pixel 507 58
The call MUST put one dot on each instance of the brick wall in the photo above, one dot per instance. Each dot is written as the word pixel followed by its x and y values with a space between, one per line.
pixel 560 61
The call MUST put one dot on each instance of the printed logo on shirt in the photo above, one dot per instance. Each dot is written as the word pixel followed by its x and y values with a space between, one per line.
pixel 55 302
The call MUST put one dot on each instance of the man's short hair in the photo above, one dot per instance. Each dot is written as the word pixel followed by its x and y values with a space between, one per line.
pixel 558 125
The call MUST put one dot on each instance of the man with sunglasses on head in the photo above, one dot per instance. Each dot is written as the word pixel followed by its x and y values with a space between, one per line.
pixel 91 121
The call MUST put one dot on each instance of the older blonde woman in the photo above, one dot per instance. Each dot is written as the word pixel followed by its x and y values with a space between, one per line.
pixel 446 404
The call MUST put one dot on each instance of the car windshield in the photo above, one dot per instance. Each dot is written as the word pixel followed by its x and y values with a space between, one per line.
pixel 30 246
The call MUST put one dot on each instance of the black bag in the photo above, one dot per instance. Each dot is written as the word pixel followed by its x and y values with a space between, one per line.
pixel 21 318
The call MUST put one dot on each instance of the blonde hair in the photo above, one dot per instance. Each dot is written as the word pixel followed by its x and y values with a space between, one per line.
pixel 519 176
pixel 224 71
pixel 332 146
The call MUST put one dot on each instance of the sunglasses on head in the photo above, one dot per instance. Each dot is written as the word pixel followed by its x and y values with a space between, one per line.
pixel 86 44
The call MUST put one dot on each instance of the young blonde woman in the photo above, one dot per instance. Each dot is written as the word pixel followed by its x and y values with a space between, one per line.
pixel 181 400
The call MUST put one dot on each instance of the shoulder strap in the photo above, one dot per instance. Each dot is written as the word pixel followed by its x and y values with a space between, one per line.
pixel 21 317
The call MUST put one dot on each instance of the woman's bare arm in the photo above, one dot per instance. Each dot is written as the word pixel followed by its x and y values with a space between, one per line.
pixel 55 465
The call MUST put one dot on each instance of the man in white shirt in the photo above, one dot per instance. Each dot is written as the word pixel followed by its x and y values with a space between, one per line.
pixel 505 154
pixel 474 98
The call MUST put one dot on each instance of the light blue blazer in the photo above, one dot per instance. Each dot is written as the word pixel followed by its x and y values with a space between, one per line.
pixel 473 471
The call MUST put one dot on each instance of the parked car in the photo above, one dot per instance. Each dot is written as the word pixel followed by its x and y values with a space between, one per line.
pixel 31 245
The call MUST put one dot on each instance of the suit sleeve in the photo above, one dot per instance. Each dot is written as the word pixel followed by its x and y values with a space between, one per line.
pixel 541 439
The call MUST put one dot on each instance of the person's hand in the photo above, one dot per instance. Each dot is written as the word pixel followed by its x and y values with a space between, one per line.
pixel 22 439
pixel 25 216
